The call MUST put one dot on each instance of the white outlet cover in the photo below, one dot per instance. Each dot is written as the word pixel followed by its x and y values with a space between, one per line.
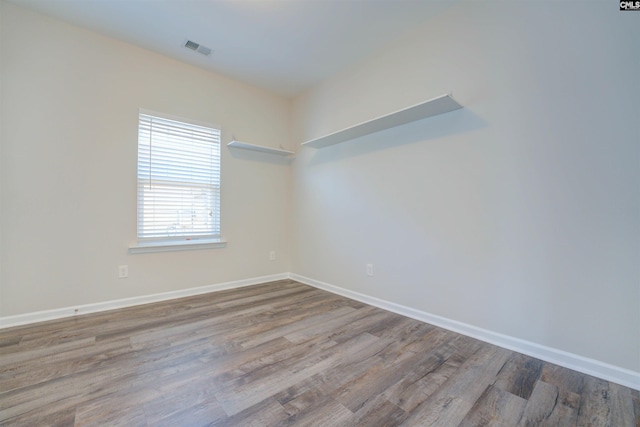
pixel 123 271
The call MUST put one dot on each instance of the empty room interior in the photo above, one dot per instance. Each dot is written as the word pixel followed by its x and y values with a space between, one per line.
pixel 319 213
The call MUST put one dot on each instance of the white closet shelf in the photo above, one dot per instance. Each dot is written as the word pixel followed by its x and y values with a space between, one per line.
pixel 433 107
pixel 260 148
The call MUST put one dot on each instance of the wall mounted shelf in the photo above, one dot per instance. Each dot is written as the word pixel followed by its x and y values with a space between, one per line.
pixel 433 107
pixel 260 148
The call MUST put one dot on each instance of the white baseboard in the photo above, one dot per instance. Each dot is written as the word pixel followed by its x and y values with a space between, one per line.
pixel 578 363
pixel 572 361
pixel 58 313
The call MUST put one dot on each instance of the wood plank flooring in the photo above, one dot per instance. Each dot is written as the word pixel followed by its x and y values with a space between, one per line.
pixel 281 354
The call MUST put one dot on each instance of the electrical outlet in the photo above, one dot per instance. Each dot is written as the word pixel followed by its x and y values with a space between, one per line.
pixel 272 256
pixel 123 271
pixel 369 269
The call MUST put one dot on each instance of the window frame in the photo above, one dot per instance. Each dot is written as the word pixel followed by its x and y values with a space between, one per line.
pixel 179 242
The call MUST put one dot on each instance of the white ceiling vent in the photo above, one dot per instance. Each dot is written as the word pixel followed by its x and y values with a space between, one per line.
pixel 197 47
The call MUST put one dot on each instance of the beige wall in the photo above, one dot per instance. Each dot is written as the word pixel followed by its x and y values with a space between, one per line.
pixel 519 214
pixel 70 102
pixel 1 153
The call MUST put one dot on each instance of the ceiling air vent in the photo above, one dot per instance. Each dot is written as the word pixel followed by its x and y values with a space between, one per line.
pixel 197 47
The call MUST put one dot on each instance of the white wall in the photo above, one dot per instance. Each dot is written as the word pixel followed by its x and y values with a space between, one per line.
pixel 1 152
pixel 519 214
pixel 70 102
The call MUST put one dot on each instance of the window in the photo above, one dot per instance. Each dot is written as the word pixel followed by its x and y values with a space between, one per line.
pixel 178 183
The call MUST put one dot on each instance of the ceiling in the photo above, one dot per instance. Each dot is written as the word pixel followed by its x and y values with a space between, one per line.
pixel 284 46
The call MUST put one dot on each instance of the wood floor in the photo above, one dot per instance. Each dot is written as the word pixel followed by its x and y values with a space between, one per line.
pixel 283 353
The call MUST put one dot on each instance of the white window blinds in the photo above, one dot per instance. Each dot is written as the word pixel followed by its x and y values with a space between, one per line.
pixel 178 179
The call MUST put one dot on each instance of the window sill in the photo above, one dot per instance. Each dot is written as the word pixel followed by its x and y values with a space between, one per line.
pixel 176 245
